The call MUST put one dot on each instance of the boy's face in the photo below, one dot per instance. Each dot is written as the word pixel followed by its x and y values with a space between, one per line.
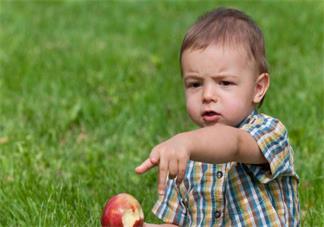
pixel 220 85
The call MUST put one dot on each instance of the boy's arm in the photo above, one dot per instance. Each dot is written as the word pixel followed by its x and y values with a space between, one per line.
pixel 222 143
pixel 214 144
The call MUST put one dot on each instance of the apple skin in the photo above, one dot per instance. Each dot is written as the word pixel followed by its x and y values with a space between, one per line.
pixel 122 210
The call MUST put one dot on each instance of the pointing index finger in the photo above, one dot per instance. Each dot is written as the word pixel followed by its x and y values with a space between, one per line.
pixel 145 166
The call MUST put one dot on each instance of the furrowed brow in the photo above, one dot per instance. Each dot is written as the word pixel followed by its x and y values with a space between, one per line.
pixel 225 77
pixel 192 77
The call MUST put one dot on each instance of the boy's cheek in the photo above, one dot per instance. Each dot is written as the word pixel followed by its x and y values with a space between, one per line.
pixel 234 105
pixel 193 111
pixel 192 106
pixel 236 111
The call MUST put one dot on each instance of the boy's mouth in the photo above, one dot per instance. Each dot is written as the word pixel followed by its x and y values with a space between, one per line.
pixel 210 116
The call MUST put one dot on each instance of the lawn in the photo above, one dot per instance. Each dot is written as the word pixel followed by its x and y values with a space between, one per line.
pixel 88 88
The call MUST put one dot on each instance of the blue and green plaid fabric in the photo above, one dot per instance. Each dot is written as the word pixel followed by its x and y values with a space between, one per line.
pixel 238 194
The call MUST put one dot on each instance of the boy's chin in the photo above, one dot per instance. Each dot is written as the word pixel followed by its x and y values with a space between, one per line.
pixel 207 124
pixel 201 123
pixel 212 123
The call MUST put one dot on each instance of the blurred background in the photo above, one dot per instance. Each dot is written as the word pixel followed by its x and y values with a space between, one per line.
pixel 87 88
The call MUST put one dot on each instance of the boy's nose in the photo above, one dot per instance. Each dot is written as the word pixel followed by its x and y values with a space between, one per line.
pixel 208 94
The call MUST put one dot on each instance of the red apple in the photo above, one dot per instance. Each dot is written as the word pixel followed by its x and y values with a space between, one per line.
pixel 122 210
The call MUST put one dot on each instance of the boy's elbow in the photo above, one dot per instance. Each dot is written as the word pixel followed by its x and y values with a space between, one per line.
pixel 247 150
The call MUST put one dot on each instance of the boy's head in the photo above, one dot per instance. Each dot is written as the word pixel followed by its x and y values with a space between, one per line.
pixel 228 28
pixel 224 67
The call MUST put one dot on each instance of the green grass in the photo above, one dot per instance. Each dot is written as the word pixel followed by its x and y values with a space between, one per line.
pixel 87 88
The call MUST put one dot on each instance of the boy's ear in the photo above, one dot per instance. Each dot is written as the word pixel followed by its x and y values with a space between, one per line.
pixel 261 86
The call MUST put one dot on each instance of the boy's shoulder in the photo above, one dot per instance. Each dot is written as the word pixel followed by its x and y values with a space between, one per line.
pixel 264 121
pixel 268 131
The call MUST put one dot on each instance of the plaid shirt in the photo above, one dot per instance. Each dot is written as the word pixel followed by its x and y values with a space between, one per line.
pixel 238 194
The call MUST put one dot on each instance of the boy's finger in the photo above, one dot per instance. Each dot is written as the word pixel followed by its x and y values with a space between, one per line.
pixel 173 169
pixel 163 173
pixel 182 171
pixel 145 166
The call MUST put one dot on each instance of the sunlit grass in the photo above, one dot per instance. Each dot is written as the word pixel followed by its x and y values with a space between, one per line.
pixel 87 88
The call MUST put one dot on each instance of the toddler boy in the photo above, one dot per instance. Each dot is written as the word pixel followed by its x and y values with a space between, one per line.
pixel 237 169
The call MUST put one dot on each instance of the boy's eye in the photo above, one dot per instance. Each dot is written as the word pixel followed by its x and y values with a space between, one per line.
pixel 225 83
pixel 193 84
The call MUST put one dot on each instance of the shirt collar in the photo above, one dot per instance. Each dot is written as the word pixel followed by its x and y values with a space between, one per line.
pixel 247 119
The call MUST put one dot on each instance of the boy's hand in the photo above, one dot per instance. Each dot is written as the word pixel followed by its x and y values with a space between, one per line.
pixel 171 156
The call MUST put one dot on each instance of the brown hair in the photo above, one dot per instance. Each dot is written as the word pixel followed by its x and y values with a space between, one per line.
pixel 225 26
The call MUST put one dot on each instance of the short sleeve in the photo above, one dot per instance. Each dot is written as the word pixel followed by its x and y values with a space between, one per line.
pixel 170 208
pixel 272 139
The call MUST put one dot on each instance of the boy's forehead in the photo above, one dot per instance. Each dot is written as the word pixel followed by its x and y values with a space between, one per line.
pixel 224 56
pixel 227 49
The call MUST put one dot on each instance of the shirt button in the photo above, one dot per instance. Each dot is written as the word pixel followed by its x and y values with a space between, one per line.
pixel 219 174
pixel 218 214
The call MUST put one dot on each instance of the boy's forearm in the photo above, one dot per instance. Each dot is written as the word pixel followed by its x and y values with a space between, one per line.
pixel 214 144
pixel 221 143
